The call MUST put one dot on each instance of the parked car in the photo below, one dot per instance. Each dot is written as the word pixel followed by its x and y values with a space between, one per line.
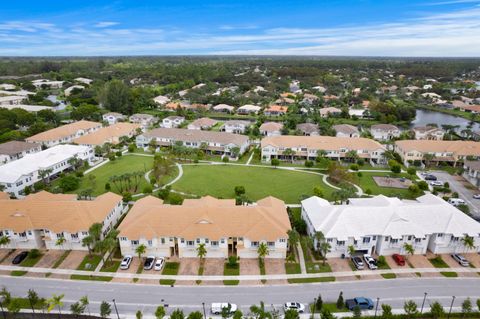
pixel 370 261
pixel 125 264
pixel 20 257
pixel 300 308
pixel 399 259
pixel 476 196
pixel 456 201
pixel 357 261
pixel 217 307
pixel 430 177
pixel 461 260
pixel 159 263
pixel 149 261
pixel 362 302
pixel 436 183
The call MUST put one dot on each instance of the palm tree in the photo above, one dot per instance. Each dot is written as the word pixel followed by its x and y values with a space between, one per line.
pixel 468 242
pixel 4 240
pixel 325 249
pixel 88 242
pixel 262 251
pixel 293 238
pixel 56 301
pixel 77 309
pixel 428 157
pixel 95 231
pixel 351 250
pixel 140 250
pixel 319 237
pixel 321 153
pixel 201 252
pixel 409 249
pixel 289 153
pixel 85 302
pixel 351 156
pixel 60 241
pixel 259 312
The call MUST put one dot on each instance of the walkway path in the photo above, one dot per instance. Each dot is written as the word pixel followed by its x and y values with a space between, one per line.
pixel 250 158
pixel 301 258
pixel 193 278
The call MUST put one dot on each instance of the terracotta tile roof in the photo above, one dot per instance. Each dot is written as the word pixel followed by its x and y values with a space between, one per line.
pixel 276 108
pixel 110 134
pixel 322 142
pixel 63 131
pixel 462 148
pixel 271 126
pixel 207 217
pixel 57 213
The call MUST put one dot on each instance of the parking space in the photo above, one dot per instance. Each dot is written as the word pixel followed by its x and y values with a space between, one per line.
pixel 392 264
pixel 474 259
pixel 188 267
pixel 249 267
pixel 4 253
pixel 49 258
pixel 274 267
pixel 8 260
pixel 213 266
pixel 340 265
pixel 73 259
pixel 455 265
pixel 421 261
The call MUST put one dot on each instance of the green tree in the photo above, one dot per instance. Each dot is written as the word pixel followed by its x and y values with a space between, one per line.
pixel 88 242
pixel 115 96
pixel 105 309
pixel 85 302
pixel 55 302
pixel 139 314
pixel 33 299
pixel 275 162
pixel 326 314
pixel 293 239
pixel 177 314
pixel 467 308
pixel 436 310
pixel 160 312
pixel 468 243
pixel 319 303
pixel 357 312
pixel 140 250
pixel 201 252
pixel 77 309
pixel 351 250
pixel 237 315
pixel 324 250
pixel 386 311
pixel 259 312
pixel 291 314
pixel 478 304
pixel 340 301
pixel 14 306
pixel 195 315
pixel 289 153
pixel 239 190
pixel 409 249
pixel 410 308
pixel 4 240
pixel 262 251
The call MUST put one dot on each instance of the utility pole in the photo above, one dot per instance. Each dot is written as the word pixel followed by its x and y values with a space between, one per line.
pixel 204 313
pixel 376 306
pixel 116 310
pixel 313 308
pixel 423 303
pixel 451 305
pixel 2 300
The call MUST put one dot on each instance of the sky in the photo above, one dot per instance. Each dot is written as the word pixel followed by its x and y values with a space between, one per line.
pixel 430 28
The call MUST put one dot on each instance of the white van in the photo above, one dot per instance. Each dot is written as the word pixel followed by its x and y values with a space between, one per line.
pixel 456 201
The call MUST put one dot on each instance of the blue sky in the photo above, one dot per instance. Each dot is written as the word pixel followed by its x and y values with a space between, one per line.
pixel 265 27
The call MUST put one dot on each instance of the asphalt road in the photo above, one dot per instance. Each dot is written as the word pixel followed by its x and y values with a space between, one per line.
pixel 463 193
pixel 133 297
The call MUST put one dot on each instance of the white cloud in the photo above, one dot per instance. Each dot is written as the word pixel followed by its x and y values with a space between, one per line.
pixel 106 24
pixel 447 34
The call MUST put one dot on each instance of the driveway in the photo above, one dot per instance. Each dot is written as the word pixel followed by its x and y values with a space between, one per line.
pixel 457 184
pixel 339 265
pixel 213 266
pixel 188 266
pixel 394 265
pixel 249 266
pixel 454 264
pixel 275 266
pixel 421 261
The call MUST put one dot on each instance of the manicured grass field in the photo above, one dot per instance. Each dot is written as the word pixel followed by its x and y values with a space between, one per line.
pixel 30 262
pixel 317 267
pixel 310 280
pixel 122 165
pixel 92 260
pixel 230 270
pixel 366 181
pixel 170 268
pixel 111 266
pixel 438 262
pixel 87 277
pixel 389 276
pixel 220 181
pixel 292 268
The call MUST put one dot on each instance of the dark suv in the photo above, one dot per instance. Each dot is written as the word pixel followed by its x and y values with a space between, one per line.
pixel 20 257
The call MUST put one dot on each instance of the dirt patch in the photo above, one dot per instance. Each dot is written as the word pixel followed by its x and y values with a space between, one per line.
pixel 73 259
pixel 392 182
pixel 249 267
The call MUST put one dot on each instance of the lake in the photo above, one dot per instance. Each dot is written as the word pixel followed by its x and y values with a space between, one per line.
pixel 425 117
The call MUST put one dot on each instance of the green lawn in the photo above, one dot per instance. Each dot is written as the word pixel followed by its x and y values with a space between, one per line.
pixel 450 274
pixel 89 277
pixel 310 280
pixel 220 180
pixel 438 262
pixel 366 181
pixel 230 270
pixel 30 262
pixel 18 273
pixel 317 267
pixel 111 266
pixel 122 165
pixel 389 276
pixel 92 260
pixel 170 268
pixel 333 307
pixel 292 268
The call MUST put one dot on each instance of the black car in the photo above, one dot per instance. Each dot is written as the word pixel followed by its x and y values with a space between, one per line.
pixel 430 178
pixel 149 261
pixel 20 257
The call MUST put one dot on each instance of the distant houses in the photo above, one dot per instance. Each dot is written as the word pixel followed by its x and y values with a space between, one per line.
pixel 271 129
pixel 308 129
pixel 428 133
pixel 113 117
pixel 110 134
pixel 172 121
pixel 235 126
pixel 384 132
pixel 14 150
pixel 203 123
pixel 346 130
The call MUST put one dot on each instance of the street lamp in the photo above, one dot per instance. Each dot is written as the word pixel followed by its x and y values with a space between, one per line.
pixel 376 306
pixel 116 310
pixel 204 314
pixel 423 303
pixel 451 305
pixel 313 308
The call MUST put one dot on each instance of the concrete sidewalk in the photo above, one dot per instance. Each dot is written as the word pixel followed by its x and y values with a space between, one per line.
pixel 121 274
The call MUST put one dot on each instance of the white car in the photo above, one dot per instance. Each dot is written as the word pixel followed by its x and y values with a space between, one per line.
pixel 370 261
pixel 461 260
pixel 476 196
pixel 159 263
pixel 300 308
pixel 217 307
pixel 125 264
pixel 436 183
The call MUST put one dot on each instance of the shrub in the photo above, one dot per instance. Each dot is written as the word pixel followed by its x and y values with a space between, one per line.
pixel 239 190
pixel 368 191
pixel 127 196
pixel 147 189
pixel 411 171
pixel 232 261
pixel 423 185
pixel 131 148
pixel 111 157
pixel 354 167
pixel 175 199
pixel 164 192
pixel 79 173
pixel 34 253
pixel 396 168
pixel 69 183
pixel 153 180
pixel 360 162
pixel 359 174
pixel 308 164
pixel 382 262
pixel 118 153
pixel 107 186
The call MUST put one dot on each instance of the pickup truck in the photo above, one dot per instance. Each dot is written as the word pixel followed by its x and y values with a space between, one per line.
pixel 362 302
pixel 217 307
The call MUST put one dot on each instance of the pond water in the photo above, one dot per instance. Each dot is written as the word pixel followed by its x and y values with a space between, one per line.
pixel 425 117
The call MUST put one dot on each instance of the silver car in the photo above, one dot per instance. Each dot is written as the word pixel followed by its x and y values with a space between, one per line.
pixel 370 261
pixel 127 260
pixel 461 260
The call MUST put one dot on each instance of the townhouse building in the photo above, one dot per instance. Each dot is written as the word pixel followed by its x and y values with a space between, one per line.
pixel 382 225
pixel 428 133
pixel 212 142
pixel 40 220
pixel 65 133
pixel 434 151
pixel 271 129
pixel 145 120
pixel 223 227
pixel 203 123
pixel 13 150
pixel 307 147
pixel 12 99
pixel 47 164
pixel 471 172
pixel 113 117
pixel 346 130
pixel 110 134
pixel 172 121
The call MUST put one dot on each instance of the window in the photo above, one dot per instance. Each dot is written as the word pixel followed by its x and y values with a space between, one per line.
pixel 198 240
pixel 439 235
pixel 341 243
pixel 123 238
pixel 60 235
pixel 24 234
pixel 394 241
pixel 366 240
pixel 214 243
pixel 418 240
pixel 190 243
pixel 134 242
pixel 162 240
pixel 454 239
pixel 282 240
pixel 74 236
pixel 409 237
pixel 329 240
pixel 206 240
pixel 355 242
pixel 271 243
pixel 150 243
pixel 222 241
pixel 30 233
pixel 254 243
pixel 386 238
pixel 374 237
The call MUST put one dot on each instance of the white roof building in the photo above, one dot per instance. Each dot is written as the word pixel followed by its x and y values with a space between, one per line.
pixel 69 90
pixel 248 108
pixel 51 84
pixel 84 80
pixel 161 100
pixel 382 225
pixel 28 108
